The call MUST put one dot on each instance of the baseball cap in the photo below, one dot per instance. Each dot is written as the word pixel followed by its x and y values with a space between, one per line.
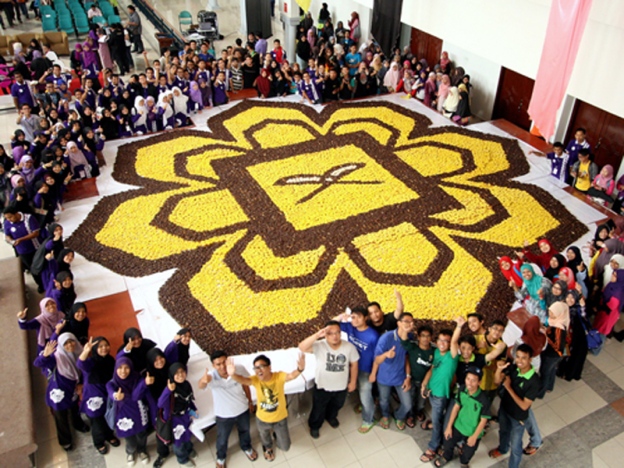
pixel 475 370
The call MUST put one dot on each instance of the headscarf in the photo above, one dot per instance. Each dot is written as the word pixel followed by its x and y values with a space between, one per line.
pixel 571 282
pixel 604 181
pixel 263 84
pixel 60 259
pixel 601 227
pixel 27 172
pixel 532 336
pixel 576 308
pixel 183 392
pixel 606 276
pixel 512 273
pixel 103 367
pixel 458 74
pixel 393 76
pixel 67 295
pixel 137 355
pixel 533 285
pixel 79 329
pixel 551 273
pixel 128 384
pixel 195 94
pixel 65 361
pixel 452 100
pixel 179 102
pixel 578 259
pixel 615 289
pixel 160 375
pixel 182 349
pixel 168 110
pixel 18 154
pixel 551 297
pixel 15 179
pixel 559 315
pixel 612 247
pixel 47 321
pixel 444 60
pixel 142 118
pixel 76 158
pixel 36 54
pixel 444 87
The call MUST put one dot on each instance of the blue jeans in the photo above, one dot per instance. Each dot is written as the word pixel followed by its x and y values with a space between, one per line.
pixel 418 402
pixel 224 428
pixel 365 389
pixel 183 451
pixel 533 430
pixel 384 401
pixel 510 434
pixel 438 410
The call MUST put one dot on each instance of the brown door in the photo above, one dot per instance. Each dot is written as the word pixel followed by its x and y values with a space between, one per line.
pixel 426 46
pixel 605 133
pixel 512 98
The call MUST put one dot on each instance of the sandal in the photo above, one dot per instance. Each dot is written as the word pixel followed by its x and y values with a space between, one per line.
pixel 103 450
pixel 400 424
pixel 384 423
pixel 269 455
pixel 530 450
pixel 114 442
pixel 365 428
pixel 427 425
pixel 357 409
pixel 410 422
pixel 441 461
pixel 428 456
pixel 251 454
pixel 421 416
pixel 495 453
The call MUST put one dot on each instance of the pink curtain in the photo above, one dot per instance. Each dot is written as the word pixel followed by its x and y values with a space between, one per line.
pixel 563 36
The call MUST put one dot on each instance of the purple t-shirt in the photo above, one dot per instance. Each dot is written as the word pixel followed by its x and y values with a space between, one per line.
pixel 25 226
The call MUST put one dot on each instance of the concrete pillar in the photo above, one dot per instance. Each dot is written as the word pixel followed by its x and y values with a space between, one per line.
pixel 290 18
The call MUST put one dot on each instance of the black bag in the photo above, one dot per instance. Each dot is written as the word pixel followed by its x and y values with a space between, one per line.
pixel 110 414
pixel 164 429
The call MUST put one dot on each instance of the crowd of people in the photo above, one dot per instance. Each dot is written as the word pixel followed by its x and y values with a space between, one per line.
pixel 65 118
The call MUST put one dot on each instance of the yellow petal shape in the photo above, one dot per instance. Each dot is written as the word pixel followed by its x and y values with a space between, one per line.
pixel 237 307
pixel 457 292
pixel 379 133
pixel 261 259
pixel 432 160
pixel 274 135
pixel 475 209
pixel 412 253
pixel 201 164
pixel 139 237
pixel 218 209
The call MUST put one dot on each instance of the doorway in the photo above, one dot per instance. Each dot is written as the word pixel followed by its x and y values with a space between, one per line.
pixel 424 45
pixel 513 97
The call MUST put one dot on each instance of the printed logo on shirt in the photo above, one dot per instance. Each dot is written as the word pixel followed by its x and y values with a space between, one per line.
pixel 270 402
pixel 178 431
pixel 422 362
pixel 144 413
pixel 57 395
pixel 335 363
pixel 125 424
pixel 95 403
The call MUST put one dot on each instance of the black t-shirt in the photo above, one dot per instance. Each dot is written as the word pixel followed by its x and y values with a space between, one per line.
pixel 330 87
pixel 389 323
pixel 525 386
pixel 250 73
pixel 477 360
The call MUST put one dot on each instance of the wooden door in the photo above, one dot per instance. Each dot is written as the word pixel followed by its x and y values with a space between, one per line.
pixel 513 97
pixel 605 133
pixel 426 46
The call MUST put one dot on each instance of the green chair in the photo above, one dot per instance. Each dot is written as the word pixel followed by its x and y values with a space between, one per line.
pixel 113 19
pixel 184 19
pixel 99 20
pixel 48 25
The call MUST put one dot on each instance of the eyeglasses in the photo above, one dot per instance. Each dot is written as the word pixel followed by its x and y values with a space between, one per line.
pixel 260 366
pixel 408 322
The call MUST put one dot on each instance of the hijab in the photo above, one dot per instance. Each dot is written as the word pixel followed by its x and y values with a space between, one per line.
pixel 179 102
pixel 612 247
pixel 578 259
pixel 604 181
pixel 183 392
pixel 532 336
pixel 444 60
pixel 263 84
pixel 195 93
pixel 452 100
pixel 559 315
pixel 140 111
pixel 66 361
pixel 601 227
pixel 551 297
pixel 103 367
pixel 182 349
pixel 137 355
pixel 552 273
pixel 160 375
pixel 76 158
pixel 27 172
pixel 615 289
pixel 571 281
pixel 128 384
pixel 67 295
pixel 79 329
pixel 18 154
pixel 576 308
pixel 15 178
pixel 393 76
pixel 47 321
pixel 534 284
pixel 512 273
pixel 60 259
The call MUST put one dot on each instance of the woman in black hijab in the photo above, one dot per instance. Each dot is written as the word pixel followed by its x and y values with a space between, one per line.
pixel 77 323
pixel 135 348
pixel 557 262
pixel 178 349
pixel 62 291
pixel 157 367
pixel 571 368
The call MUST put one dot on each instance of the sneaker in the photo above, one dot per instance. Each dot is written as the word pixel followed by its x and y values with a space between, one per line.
pixel 130 459
pixel 144 458
pixel 315 433
pixel 160 461
pixel 188 463
pixel 68 448
pixel 334 423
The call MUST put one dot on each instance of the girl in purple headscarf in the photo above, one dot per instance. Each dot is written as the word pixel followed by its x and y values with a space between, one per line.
pixel 90 59
pixel 195 102
pixel 75 58
pixel 60 361
pixel 44 323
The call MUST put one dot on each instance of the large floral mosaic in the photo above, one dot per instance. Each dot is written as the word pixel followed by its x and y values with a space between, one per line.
pixel 282 216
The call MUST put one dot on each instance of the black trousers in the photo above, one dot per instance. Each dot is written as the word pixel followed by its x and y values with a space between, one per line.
pixel 26 263
pixel 100 432
pixel 592 192
pixel 162 449
pixel 325 406
pixel 137 42
pixel 136 443
pixel 63 428
pixel 467 451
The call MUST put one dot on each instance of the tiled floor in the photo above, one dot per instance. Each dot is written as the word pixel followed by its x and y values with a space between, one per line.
pixel 581 421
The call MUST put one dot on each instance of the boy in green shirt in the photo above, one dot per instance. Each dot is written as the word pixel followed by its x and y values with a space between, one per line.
pixel 420 355
pixel 467 421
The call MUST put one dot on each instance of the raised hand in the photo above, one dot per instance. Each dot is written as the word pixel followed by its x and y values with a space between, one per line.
pixel 171 385
pixel 118 395
pixel 49 348
pixel 391 352
pixel 301 362
pixel 21 315
pixel 88 345
pixel 231 368
pixel 500 365
pixel 322 333
pixel 149 380
pixel 128 346
pixel 59 326
pixel 460 321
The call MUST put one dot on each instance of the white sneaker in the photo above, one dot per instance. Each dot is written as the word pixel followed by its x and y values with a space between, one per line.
pixel 144 458
pixel 130 459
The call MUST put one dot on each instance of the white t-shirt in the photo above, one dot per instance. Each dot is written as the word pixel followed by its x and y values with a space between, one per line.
pixel 332 365
pixel 228 395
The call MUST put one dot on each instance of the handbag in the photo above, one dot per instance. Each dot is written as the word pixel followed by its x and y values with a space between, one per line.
pixel 109 416
pixel 164 428
pixel 594 339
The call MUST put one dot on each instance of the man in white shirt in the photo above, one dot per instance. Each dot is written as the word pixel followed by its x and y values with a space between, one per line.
pixel 336 374
pixel 232 405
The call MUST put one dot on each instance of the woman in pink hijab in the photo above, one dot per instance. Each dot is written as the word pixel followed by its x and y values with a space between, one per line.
pixel 443 91
pixel 445 63
pixel 392 78
pixel 603 185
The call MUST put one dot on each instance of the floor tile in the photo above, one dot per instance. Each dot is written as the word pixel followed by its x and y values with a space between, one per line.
pixel 406 453
pixel 587 399
pixel 604 361
pixel 337 454
pixel 567 409
pixel 547 420
pixel 617 376
pixel 311 458
pixel 389 437
pixel 611 452
pixel 49 453
pixel 379 459
pixel 364 445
